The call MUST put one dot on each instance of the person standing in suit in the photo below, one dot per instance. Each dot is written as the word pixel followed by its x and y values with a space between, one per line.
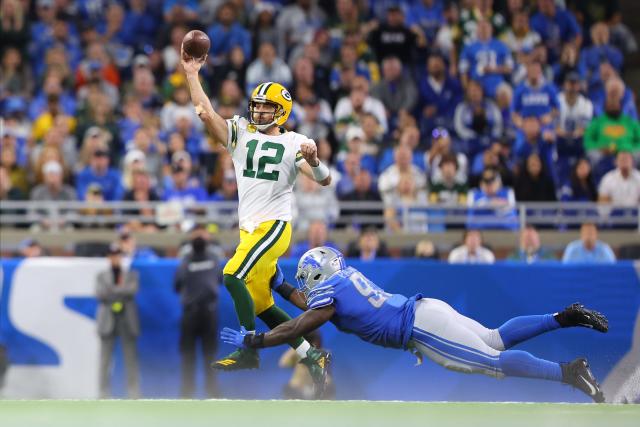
pixel 118 318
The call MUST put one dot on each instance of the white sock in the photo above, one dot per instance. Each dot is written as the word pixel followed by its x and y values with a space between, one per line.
pixel 302 349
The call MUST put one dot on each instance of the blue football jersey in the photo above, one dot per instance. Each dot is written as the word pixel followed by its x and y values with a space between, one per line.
pixel 363 309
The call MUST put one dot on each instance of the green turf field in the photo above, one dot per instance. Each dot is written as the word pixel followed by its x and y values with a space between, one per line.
pixel 239 413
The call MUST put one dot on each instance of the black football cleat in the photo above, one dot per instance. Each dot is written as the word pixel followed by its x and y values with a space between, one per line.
pixel 318 362
pixel 578 375
pixel 578 315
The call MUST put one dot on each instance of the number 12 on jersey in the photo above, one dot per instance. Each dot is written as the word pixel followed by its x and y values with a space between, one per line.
pixel 263 160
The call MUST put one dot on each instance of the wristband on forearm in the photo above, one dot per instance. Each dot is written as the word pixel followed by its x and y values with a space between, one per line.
pixel 254 340
pixel 320 172
pixel 285 290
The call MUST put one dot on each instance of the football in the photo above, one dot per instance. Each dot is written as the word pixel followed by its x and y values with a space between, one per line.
pixel 196 44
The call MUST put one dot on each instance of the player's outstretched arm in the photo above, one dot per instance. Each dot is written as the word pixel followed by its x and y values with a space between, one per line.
pixel 314 168
pixel 285 332
pixel 216 125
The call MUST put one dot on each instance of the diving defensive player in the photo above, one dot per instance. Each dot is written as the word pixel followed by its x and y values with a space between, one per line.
pixel 428 327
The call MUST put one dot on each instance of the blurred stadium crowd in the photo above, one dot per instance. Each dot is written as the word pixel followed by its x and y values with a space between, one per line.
pixel 464 103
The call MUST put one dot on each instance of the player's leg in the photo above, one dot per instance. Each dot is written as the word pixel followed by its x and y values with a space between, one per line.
pixel 522 328
pixel 438 335
pixel 248 253
pixel 259 286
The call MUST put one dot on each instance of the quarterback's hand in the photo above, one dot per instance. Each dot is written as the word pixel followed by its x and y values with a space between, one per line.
pixel 309 153
pixel 233 337
pixel 191 65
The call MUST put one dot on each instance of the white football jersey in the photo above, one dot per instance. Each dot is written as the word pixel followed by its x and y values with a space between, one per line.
pixel 266 169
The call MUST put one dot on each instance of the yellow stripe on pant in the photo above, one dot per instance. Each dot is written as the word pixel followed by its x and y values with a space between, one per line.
pixel 255 259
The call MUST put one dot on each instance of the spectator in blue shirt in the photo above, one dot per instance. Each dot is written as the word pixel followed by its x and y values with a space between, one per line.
pixel 535 97
pixel 614 88
pixel 228 33
pixel 180 10
pixel 487 60
pixel 439 95
pixel 98 172
pixel 478 121
pixel 556 27
pixel 588 249
pixel 427 17
pixel 536 139
pixel 498 203
pixel 181 190
pixel 600 51
pixel 140 26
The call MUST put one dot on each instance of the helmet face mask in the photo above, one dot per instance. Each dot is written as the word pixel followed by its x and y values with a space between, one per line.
pixel 269 94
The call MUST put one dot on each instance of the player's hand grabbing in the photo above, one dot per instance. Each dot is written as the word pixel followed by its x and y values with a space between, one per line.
pixel 310 153
pixel 191 65
pixel 233 337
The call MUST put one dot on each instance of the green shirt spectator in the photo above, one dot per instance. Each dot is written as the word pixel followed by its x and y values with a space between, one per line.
pixel 606 132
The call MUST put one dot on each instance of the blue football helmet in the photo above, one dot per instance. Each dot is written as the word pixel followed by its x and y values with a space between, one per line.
pixel 316 266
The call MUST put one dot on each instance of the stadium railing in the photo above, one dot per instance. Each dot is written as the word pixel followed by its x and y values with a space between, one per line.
pixel 418 218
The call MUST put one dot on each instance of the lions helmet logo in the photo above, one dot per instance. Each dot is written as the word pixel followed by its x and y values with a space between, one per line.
pixel 286 95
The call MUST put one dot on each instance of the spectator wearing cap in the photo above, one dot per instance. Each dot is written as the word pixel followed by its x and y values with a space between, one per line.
pixel 530 249
pixel 391 176
pixel 267 68
pixel 556 26
pixel 621 186
pixel 440 93
pixel 472 66
pixel 356 143
pixel 53 188
pixel 148 149
pixel 588 249
pixel 16 121
pixel 393 37
pixel 117 318
pixel 441 146
pixel 396 90
pixel 477 120
pixel 311 121
pixel 499 202
pixel 575 113
pixel 99 172
pixel 182 189
pixel 130 249
pixel 95 82
pixel 447 190
pixel 471 251
pixel 368 247
pixel 350 109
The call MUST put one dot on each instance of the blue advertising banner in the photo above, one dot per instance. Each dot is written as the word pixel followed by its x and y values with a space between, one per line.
pixel 47 313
